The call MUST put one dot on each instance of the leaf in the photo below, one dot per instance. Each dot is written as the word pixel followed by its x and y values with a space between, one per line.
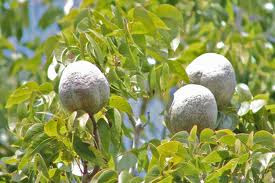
pixel 193 134
pixel 177 68
pixel 270 108
pixel 187 169
pixel 264 138
pixel 154 150
pixel 206 135
pixel 98 53
pixel 181 136
pixel 126 161
pixel 82 120
pixel 50 16
pixel 82 149
pixel 168 179
pixel 120 103
pixel 164 76
pixel 22 94
pixel 50 128
pixel 215 156
pixel 46 88
pixel 104 134
pixel 169 11
pixel 244 92
pixel 39 160
pixel 245 106
pixel 140 14
pixel 12 160
pixel 124 177
pixel 157 21
pixel 230 165
pixel 228 140
pixel 33 131
pixel 256 105
pixel 51 72
pixel 104 176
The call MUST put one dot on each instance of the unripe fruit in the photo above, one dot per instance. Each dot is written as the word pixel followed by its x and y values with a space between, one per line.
pixel 83 87
pixel 216 73
pixel 192 105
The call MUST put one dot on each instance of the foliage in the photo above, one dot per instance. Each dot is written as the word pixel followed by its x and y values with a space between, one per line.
pixel 142 47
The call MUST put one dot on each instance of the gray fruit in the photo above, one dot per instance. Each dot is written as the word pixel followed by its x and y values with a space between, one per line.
pixel 192 105
pixel 216 73
pixel 83 87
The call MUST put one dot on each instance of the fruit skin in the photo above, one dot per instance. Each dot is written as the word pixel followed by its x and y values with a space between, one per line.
pixel 216 73
pixel 192 105
pixel 83 87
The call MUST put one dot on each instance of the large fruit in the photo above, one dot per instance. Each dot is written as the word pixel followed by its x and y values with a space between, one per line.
pixel 216 73
pixel 192 105
pixel 83 87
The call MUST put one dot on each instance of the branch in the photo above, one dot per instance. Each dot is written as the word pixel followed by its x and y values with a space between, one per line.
pixel 86 175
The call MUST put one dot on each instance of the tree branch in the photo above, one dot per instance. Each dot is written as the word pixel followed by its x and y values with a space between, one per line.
pixel 86 175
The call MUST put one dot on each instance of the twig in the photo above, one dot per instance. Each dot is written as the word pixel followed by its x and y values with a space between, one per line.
pixel 86 175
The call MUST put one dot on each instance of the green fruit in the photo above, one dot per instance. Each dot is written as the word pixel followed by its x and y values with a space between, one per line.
pixel 216 73
pixel 192 105
pixel 83 87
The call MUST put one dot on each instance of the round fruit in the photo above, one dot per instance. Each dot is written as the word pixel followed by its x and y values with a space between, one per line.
pixel 216 73
pixel 83 87
pixel 192 105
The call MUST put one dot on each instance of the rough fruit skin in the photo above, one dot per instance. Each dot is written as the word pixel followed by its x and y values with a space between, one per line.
pixel 83 87
pixel 192 105
pixel 216 73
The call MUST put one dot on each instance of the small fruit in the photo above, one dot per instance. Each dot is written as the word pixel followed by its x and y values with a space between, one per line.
pixel 83 87
pixel 216 73
pixel 192 105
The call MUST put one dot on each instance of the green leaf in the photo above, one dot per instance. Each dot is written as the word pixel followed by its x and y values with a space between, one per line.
pixel 168 179
pixel 104 134
pixel 271 108
pixel 12 160
pixel 39 160
pixel 230 165
pixel 82 120
pixel 46 88
pixel 35 130
pixel 186 169
pixel 50 128
pixel 157 21
pixel 120 103
pixel 228 140
pixel 245 106
pixel 164 76
pixel 142 15
pixel 215 156
pixel 124 177
pixel 177 68
pixel 193 134
pixel 126 161
pixel 257 104
pixel 169 11
pixel 24 160
pixel 181 136
pixel 154 150
pixel 98 53
pixel 244 92
pixel 82 149
pixel 22 94
pixel 104 176
pixel 206 135
pixel 50 16
pixel 264 138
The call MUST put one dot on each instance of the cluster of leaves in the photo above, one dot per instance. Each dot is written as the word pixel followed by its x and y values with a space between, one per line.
pixel 220 156
pixel 142 48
